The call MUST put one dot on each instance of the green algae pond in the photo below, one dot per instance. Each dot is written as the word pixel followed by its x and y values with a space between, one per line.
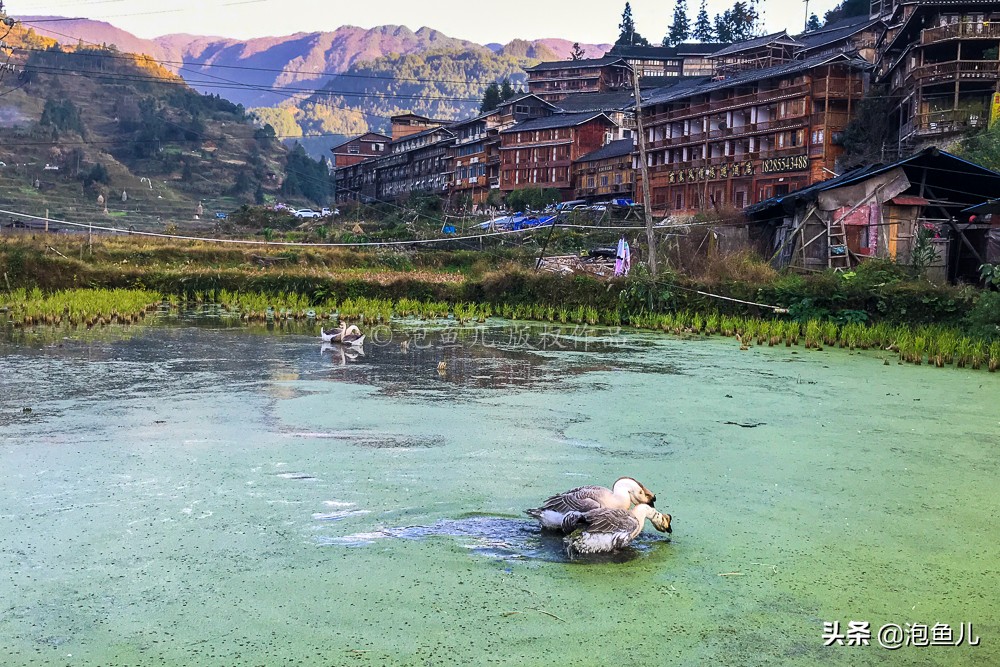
pixel 189 492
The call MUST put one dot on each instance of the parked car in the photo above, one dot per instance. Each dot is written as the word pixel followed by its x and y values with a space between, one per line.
pixel 221 215
pixel 307 213
pixel 328 212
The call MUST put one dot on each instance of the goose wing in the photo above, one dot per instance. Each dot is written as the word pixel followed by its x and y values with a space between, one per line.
pixel 580 499
pixel 609 521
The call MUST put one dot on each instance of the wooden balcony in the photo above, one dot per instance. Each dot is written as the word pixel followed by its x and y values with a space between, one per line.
pixel 732 103
pixel 838 88
pixel 955 69
pixel 940 123
pixel 960 31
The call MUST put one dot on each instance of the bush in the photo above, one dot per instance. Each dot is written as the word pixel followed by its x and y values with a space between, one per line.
pixel 983 320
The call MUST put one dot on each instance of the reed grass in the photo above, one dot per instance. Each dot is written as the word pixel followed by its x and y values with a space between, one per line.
pixel 88 307
pixel 939 346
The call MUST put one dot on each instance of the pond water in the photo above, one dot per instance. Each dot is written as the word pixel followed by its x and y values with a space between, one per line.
pixel 193 493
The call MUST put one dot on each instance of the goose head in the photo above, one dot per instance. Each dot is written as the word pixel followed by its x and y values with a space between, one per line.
pixel 639 494
pixel 661 522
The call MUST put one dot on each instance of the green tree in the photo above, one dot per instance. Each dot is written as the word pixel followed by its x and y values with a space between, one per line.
pixel 703 30
pixel 627 35
pixel 739 23
pixel 491 98
pixel 983 148
pixel 507 91
pixel 848 8
pixel 680 29
pixel 870 131
pixel 723 31
pixel 62 115
pixel 577 53
pixel 813 23
pixel 305 176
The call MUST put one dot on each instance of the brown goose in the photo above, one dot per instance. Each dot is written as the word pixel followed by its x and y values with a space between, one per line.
pixel 605 530
pixel 625 492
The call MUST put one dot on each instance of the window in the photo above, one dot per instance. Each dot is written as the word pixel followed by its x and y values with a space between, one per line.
pixel 354 150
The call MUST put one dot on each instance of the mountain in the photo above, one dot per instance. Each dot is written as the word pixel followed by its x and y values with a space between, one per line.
pixel 84 121
pixel 267 71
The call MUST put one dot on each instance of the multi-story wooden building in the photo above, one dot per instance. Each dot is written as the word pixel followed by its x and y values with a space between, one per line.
pixel 689 59
pixel 540 153
pixel 407 124
pixel 606 173
pixel 733 140
pixel 475 155
pixel 553 81
pixel 940 60
pixel 857 34
pixel 413 163
pixel 359 149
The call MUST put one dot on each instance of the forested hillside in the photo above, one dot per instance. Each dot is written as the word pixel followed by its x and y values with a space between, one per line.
pixel 446 84
pixel 80 122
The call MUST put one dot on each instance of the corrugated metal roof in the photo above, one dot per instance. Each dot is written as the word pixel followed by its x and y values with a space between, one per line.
pixel 971 176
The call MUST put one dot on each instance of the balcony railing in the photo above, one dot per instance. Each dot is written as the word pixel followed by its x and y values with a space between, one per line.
pixel 960 31
pixel 721 106
pixel 941 123
pixel 956 69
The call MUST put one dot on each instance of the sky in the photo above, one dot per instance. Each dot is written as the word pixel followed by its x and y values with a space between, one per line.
pixel 589 21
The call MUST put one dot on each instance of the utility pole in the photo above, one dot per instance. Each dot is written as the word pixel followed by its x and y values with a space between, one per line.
pixel 647 202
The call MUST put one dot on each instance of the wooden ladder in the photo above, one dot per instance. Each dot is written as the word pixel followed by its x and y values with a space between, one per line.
pixel 838 256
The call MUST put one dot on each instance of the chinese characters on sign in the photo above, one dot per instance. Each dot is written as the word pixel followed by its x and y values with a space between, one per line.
pixel 732 170
pixel 892 636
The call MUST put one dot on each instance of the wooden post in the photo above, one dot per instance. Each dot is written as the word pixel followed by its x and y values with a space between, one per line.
pixel 46 221
pixel 644 166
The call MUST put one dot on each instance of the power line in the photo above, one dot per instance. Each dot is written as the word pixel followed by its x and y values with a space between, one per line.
pixel 357 244
pixel 236 85
pixel 249 68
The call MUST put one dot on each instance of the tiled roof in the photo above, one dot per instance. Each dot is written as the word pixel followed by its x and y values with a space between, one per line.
pixel 578 64
pixel 558 120
pixel 691 87
pixel 619 148
pixel 579 102
pixel 657 52
pixel 757 43
pixel 834 32
pixel 380 137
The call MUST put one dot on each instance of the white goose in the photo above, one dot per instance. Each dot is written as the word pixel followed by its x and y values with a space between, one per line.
pixel 622 495
pixel 345 335
pixel 606 530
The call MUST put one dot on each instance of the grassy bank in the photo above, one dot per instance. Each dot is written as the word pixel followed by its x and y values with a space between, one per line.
pixel 938 345
pixel 876 293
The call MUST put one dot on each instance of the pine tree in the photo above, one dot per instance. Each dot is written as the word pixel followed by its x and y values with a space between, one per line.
pixel 491 98
pixel 628 35
pixel 507 91
pixel 813 23
pixel 680 29
pixel 577 53
pixel 703 31
pixel 723 31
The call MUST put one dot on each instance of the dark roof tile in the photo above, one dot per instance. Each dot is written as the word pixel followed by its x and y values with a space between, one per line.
pixel 615 149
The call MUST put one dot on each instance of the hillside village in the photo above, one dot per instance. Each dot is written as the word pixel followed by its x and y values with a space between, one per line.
pixel 726 126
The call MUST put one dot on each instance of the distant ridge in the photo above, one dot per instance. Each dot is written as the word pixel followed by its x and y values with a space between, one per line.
pixel 302 60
